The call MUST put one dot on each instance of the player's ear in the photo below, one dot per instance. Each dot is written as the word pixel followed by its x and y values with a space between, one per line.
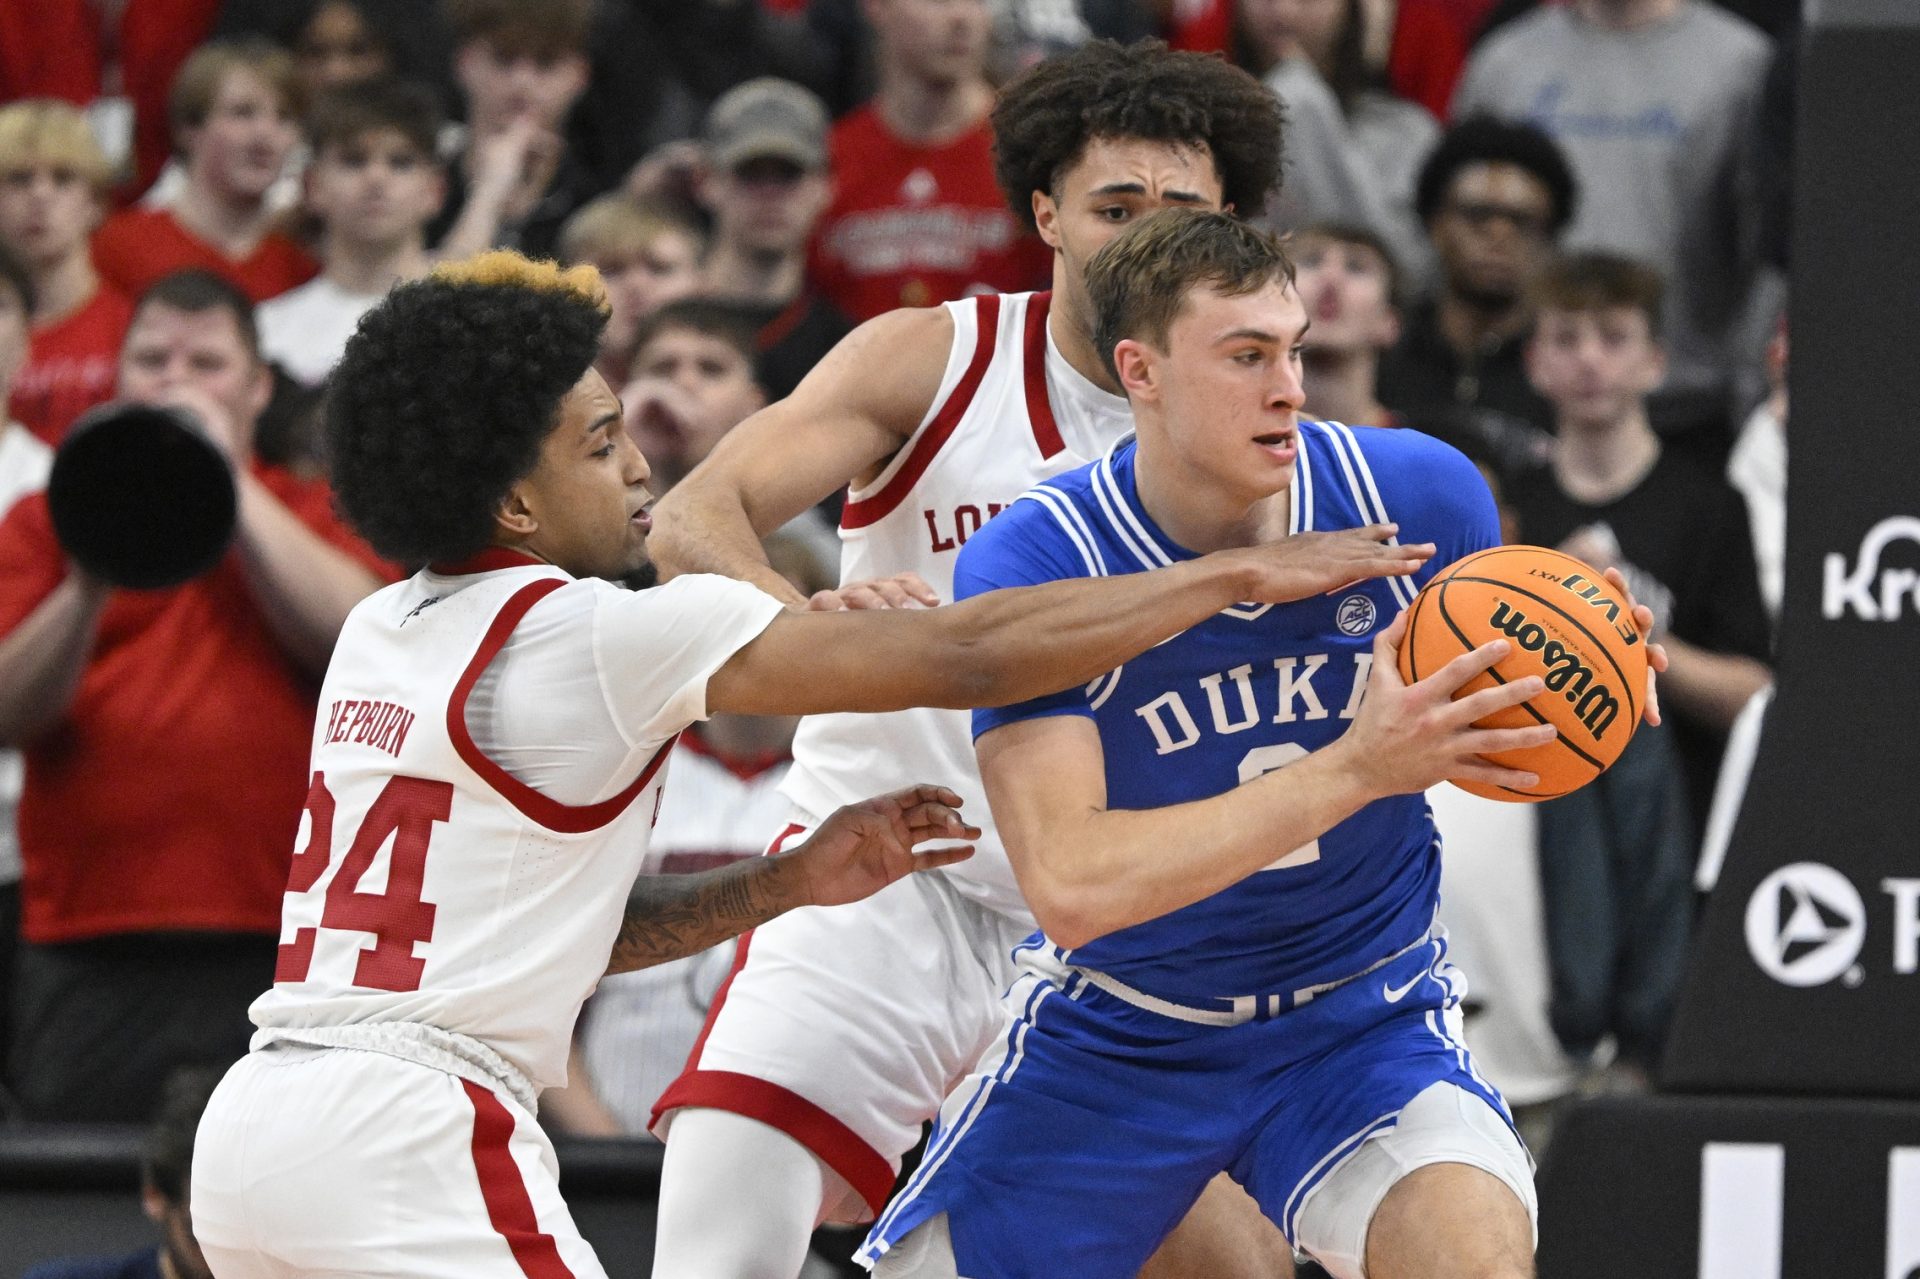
pixel 515 518
pixel 1046 218
pixel 1137 369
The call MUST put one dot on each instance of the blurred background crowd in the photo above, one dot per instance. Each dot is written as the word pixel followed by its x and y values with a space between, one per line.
pixel 1553 234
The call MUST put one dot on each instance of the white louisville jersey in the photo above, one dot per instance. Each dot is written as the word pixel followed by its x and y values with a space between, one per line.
pixel 1010 413
pixel 433 888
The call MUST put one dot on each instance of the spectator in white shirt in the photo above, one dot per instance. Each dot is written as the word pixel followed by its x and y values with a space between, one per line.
pixel 374 184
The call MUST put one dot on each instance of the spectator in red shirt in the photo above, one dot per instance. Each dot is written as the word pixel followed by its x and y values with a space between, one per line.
pixel 916 217
pixel 235 110
pixel 166 737
pixel 53 189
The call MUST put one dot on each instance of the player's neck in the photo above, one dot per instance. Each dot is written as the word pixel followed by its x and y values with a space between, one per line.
pixel 929 113
pixel 231 223
pixel 373 268
pixel 1195 510
pixel 1340 387
pixel 63 287
pixel 1597 463
pixel 1074 339
pixel 771 278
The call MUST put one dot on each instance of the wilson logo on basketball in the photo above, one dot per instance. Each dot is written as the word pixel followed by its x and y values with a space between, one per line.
pixel 1566 674
pixel 1560 622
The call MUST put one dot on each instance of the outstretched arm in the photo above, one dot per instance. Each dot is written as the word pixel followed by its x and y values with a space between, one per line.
pixel 1007 646
pixel 1088 870
pixel 855 853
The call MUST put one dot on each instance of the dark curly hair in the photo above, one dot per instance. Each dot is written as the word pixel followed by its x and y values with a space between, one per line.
pixel 1045 117
pixel 1486 140
pixel 445 394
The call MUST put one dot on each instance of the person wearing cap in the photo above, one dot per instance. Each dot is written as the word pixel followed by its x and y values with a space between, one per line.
pixel 763 180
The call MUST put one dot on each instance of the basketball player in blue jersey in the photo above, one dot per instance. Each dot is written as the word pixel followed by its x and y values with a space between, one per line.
pixel 1225 845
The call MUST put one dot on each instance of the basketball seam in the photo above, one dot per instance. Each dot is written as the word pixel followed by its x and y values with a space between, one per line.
pixel 1446 617
pixel 1413 651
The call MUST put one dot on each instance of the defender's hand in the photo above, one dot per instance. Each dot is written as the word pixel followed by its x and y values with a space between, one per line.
pixel 1408 737
pixel 1308 564
pixel 902 590
pixel 863 847
pixel 1656 653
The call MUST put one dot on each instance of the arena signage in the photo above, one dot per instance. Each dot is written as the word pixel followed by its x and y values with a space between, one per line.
pixel 1806 925
pixel 1805 975
pixel 1698 1188
pixel 1867 589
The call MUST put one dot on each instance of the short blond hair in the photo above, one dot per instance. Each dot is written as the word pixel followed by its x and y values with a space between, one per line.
pixel 615 224
pixel 45 131
pixel 204 73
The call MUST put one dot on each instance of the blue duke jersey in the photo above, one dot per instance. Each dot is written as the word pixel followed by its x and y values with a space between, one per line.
pixel 1242 694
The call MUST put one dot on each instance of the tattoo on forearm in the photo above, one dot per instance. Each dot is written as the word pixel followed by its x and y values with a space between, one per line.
pixel 673 916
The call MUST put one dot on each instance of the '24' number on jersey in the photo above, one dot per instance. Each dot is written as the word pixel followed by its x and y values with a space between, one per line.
pixel 406 811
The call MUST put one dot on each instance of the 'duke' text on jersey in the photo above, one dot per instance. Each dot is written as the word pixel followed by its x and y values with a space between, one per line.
pixel 1237 699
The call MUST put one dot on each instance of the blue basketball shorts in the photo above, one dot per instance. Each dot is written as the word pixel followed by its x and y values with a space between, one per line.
pixel 1088 1131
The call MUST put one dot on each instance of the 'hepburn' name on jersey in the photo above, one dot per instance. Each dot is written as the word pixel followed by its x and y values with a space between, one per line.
pixel 382 725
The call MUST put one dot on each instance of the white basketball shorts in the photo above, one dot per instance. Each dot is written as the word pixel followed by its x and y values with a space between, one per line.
pixel 335 1161
pixel 845 1027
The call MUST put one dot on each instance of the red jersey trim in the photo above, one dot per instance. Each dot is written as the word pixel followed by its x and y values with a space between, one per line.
pixel 567 819
pixel 509 1206
pixel 487 561
pixel 869 1172
pixel 1046 431
pixel 872 509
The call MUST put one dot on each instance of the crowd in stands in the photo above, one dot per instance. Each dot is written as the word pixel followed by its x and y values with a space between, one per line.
pixel 1549 233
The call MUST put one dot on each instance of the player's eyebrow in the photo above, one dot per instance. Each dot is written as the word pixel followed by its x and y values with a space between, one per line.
pixel 1140 188
pixel 1259 335
pixel 602 422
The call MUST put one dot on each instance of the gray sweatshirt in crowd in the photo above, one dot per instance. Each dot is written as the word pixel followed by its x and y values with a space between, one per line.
pixel 1655 122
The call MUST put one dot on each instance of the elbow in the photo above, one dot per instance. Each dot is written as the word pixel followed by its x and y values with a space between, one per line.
pixel 1067 926
pixel 1069 914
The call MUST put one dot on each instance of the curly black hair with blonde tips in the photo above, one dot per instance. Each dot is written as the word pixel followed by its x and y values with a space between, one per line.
pixel 445 394
pixel 1045 118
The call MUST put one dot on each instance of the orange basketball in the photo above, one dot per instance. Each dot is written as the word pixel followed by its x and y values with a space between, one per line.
pixel 1566 625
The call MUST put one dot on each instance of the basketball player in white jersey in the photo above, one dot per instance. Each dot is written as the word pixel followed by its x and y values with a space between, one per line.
pixel 487 765
pixel 840 1033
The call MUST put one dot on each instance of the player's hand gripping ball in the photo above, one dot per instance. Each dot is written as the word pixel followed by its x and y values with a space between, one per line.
pixel 1567 625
